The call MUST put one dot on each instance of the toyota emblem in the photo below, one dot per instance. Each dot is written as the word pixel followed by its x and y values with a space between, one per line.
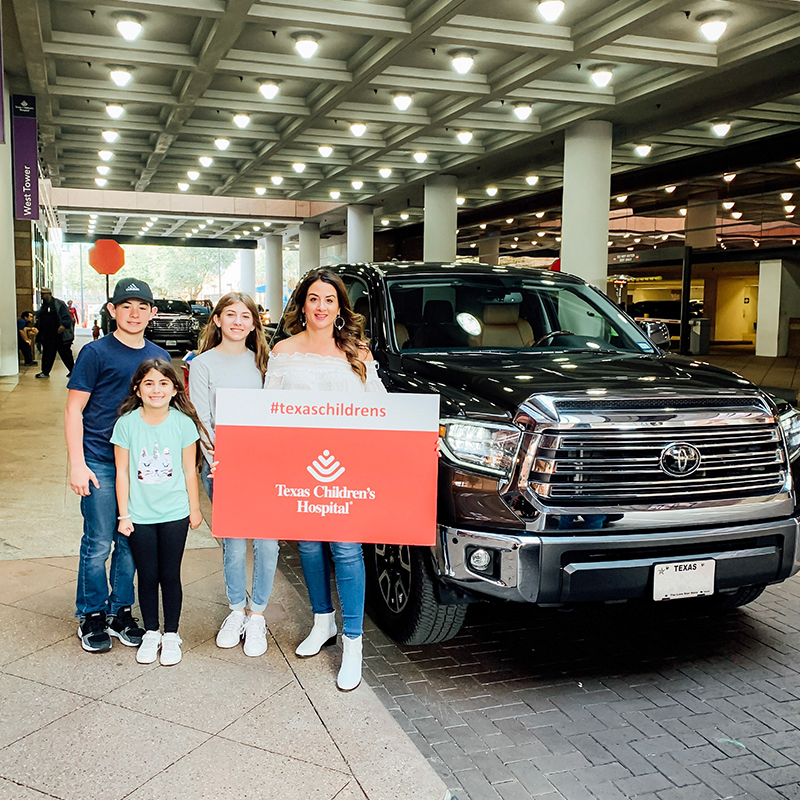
pixel 679 459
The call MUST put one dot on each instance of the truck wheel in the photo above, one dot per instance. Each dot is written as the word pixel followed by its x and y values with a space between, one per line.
pixel 401 596
pixel 741 597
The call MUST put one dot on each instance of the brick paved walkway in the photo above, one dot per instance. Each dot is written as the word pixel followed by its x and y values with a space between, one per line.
pixel 604 703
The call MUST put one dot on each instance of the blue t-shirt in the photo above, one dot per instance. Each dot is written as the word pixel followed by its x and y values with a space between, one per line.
pixel 105 368
pixel 155 465
pixel 22 324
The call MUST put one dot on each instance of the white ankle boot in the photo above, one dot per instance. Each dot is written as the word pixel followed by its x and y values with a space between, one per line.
pixel 350 672
pixel 322 634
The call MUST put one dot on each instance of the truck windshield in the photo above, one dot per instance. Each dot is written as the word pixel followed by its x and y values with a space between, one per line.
pixel 173 306
pixel 505 312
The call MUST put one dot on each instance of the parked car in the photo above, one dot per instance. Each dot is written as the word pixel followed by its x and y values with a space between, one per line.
pixel 579 461
pixel 174 327
pixel 201 312
pixel 666 311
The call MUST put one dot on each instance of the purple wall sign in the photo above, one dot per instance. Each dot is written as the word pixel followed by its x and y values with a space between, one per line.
pixel 25 148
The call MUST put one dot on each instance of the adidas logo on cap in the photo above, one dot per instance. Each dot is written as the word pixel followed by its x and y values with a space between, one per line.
pixel 132 287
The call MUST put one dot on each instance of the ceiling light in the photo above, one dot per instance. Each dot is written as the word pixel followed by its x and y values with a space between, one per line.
pixel 237 236
pixel 269 89
pixel 195 230
pixel 241 120
pixel 786 196
pixel 222 144
pixel 205 161
pixel 255 227
pixel 385 172
pixel 105 155
pixel 110 136
pixel 472 244
pixel 460 201
pixel 670 189
pixel 736 214
pixel 357 184
pixel 93 216
pixel 491 191
pixel 482 226
pixel 192 174
pixel 637 241
pixel 335 194
pixel 550 10
pixel 513 246
pixel 121 77
pixel 522 111
pixel 402 100
pixel 642 150
pixel 325 150
pixel 209 222
pixel 298 167
pixel 277 180
pixel 721 129
pixel 532 180
pixel 728 176
pixel 540 234
pixel 245 233
pixel 509 220
pixel 788 209
pixel 665 237
pixel 539 214
pixel 358 128
pixel 384 222
pixel 130 26
pixel 184 187
pixel 404 216
pixel 101 182
pixel 602 76
pixel 114 110
pixel 153 219
pixel 102 170
pixel 462 60
pixel 713 24
pixel 201 225
pixel 261 190
pixel 621 198
pixel 306 44
pixel 465 137
pixel 728 205
pixel 420 156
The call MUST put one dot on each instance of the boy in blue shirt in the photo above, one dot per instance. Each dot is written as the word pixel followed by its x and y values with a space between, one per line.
pixel 99 383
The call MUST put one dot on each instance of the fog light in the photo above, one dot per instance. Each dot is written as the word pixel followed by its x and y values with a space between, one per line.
pixel 480 559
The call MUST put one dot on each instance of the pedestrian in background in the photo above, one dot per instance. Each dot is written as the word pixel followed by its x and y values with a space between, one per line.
pixel 26 338
pixel 56 332
pixel 73 312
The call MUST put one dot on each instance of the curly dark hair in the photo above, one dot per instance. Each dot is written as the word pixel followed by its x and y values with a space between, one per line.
pixel 350 339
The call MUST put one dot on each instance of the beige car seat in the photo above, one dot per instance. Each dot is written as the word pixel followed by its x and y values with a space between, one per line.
pixel 502 327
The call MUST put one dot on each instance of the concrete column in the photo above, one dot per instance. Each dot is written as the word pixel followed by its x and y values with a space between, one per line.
pixel 439 242
pixel 247 272
pixel 700 224
pixel 710 286
pixel 489 250
pixel 359 234
pixel 779 290
pixel 587 185
pixel 309 246
pixel 273 300
pixel 9 362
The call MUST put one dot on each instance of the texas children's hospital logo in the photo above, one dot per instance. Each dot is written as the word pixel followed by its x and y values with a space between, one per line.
pixel 325 469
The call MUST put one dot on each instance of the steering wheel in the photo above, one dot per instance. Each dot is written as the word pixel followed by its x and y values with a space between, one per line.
pixel 550 335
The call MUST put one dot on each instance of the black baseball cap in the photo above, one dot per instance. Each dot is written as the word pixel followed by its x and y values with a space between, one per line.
pixel 131 289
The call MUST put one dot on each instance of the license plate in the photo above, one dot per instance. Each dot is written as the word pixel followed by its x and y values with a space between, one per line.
pixel 172 342
pixel 682 579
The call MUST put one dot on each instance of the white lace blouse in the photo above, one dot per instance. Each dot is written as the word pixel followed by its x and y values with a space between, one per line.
pixel 312 372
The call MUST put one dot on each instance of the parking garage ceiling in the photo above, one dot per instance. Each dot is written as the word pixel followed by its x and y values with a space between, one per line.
pixel 226 97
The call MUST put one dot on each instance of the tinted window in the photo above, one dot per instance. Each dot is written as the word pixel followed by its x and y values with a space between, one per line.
pixel 173 306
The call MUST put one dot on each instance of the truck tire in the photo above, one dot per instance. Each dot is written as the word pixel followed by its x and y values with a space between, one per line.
pixel 402 599
pixel 741 597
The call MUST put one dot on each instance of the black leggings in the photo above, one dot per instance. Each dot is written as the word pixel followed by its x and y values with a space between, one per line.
pixel 158 550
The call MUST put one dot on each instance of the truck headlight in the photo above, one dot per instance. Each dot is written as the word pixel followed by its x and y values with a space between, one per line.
pixel 484 446
pixel 790 422
pixel 195 324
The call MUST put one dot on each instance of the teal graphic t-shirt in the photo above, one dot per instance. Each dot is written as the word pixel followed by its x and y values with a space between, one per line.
pixel 158 484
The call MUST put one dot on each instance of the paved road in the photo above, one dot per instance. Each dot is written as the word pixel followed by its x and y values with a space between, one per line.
pixel 604 703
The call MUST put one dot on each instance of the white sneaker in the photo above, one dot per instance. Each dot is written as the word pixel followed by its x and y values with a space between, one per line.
pixel 170 649
pixel 148 649
pixel 232 630
pixel 323 634
pixel 255 635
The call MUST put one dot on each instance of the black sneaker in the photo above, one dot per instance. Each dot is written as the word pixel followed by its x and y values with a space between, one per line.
pixel 125 627
pixel 93 634
pixel 41 375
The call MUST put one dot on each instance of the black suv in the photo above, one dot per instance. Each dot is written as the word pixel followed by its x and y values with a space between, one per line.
pixel 579 461
pixel 174 328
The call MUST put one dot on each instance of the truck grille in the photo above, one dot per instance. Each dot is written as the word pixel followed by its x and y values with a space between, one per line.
pixel 602 466
pixel 168 325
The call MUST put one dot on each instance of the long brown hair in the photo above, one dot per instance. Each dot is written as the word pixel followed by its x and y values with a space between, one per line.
pixel 350 339
pixel 180 401
pixel 256 340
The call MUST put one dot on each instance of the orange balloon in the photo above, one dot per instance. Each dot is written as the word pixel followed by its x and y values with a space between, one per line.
pixel 106 256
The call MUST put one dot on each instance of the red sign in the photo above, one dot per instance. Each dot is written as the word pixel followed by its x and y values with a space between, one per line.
pixel 326 466
pixel 106 256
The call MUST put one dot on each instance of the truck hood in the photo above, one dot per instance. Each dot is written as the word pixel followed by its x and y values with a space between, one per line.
pixel 494 383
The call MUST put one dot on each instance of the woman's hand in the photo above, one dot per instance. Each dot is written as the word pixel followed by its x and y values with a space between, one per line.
pixel 195 518
pixel 125 527
pixel 213 469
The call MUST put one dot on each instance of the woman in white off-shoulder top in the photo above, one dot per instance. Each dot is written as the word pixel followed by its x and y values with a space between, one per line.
pixel 327 352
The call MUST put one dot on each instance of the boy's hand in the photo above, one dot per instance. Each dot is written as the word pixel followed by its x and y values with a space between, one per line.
pixel 125 527
pixel 195 518
pixel 80 478
pixel 213 469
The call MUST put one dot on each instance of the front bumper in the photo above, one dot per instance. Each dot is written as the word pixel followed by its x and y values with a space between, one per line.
pixel 568 568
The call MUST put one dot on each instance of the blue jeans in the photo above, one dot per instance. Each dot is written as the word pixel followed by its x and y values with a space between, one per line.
pixel 350 581
pixel 99 511
pixel 234 554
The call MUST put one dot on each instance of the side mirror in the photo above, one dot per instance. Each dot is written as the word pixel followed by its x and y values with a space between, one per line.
pixel 658 333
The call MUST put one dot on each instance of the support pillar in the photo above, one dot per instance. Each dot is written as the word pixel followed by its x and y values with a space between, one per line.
pixel 9 362
pixel 439 242
pixel 359 234
pixel 273 288
pixel 247 272
pixel 587 185
pixel 489 250
pixel 700 225
pixel 779 286
pixel 309 246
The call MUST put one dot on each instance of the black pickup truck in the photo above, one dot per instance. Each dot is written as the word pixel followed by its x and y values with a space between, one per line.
pixel 579 461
